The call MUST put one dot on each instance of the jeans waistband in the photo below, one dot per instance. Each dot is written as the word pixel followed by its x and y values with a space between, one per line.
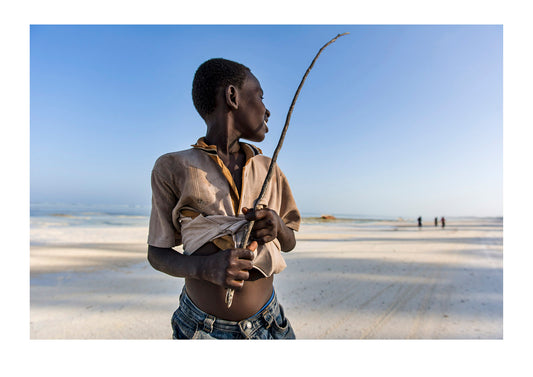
pixel 248 326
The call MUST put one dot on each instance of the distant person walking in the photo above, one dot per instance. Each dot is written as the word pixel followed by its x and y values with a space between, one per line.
pixel 419 221
pixel 443 222
pixel 436 221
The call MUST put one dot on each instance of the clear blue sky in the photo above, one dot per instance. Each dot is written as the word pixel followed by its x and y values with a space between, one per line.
pixel 392 120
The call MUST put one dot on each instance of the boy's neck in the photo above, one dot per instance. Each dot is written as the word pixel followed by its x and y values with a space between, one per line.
pixel 221 134
pixel 225 146
pixel 228 150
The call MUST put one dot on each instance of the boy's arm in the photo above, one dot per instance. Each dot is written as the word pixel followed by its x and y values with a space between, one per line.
pixel 228 268
pixel 269 226
pixel 173 263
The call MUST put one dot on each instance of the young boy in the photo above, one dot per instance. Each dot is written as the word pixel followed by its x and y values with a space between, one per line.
pixel 202 198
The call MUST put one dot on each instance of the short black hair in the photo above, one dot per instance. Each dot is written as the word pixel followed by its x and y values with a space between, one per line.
pixel 210 76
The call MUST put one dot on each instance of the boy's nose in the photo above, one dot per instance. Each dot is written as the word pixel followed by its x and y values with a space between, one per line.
pixel 267 114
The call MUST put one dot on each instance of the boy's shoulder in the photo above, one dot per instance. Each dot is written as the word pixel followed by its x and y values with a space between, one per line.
pixel 176 155
pixel 171 160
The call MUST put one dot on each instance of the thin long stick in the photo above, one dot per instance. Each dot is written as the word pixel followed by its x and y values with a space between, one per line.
pixel 229 291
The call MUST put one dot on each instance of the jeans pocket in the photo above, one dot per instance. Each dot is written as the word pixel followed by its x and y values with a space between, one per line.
pixel 281 327
pixel 181 327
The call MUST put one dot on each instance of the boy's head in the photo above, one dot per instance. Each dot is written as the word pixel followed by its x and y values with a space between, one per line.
pixel 212 75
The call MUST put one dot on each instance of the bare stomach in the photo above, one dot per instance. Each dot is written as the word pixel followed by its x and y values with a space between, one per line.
pixel 247 301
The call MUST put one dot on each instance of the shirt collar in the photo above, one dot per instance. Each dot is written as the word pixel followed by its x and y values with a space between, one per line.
pixel 249 149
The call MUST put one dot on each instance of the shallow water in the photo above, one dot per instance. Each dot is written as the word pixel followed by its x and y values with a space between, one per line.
pixel 76 215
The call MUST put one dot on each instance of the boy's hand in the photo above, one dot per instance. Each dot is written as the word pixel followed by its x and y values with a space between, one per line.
pixel 267 224
pixel 230 268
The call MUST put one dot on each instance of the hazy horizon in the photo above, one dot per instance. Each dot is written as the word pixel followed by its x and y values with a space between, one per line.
pixel 144 209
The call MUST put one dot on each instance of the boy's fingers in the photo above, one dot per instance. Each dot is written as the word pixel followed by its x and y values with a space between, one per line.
pixel 252 215
pixel 241 276
pixel 235 284
pixel 262 233
pixel 265 223
pixel 260 214
pixel 247 253
pixel 249 214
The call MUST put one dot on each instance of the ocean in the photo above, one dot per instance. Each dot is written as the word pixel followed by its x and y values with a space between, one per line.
pixel 77 215
pixel 114 215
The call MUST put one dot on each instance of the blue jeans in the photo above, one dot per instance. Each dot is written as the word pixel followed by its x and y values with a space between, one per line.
pixel 189 322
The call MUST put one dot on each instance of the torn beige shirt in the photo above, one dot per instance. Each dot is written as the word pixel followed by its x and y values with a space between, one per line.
pixel 195 182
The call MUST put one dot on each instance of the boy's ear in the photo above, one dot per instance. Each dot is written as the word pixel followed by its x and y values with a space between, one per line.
pixel 232 97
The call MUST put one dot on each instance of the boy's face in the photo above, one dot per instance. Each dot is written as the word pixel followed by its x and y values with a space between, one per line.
pixel 252 115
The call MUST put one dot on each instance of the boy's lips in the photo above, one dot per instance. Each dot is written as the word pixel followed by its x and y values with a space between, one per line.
pixel 265 124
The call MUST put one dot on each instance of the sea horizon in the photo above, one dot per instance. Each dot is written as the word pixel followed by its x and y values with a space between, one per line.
pixel 138 214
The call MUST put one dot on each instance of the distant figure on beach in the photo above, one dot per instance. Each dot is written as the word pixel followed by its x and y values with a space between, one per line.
pixel 436 221
pixel 420 221
pixel 203 199
pixel 443 222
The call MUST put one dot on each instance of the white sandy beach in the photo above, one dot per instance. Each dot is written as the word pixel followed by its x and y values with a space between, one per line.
pixel 374 281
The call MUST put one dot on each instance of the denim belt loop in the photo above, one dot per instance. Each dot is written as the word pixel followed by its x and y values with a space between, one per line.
pixel 208 323
pixel 268 317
